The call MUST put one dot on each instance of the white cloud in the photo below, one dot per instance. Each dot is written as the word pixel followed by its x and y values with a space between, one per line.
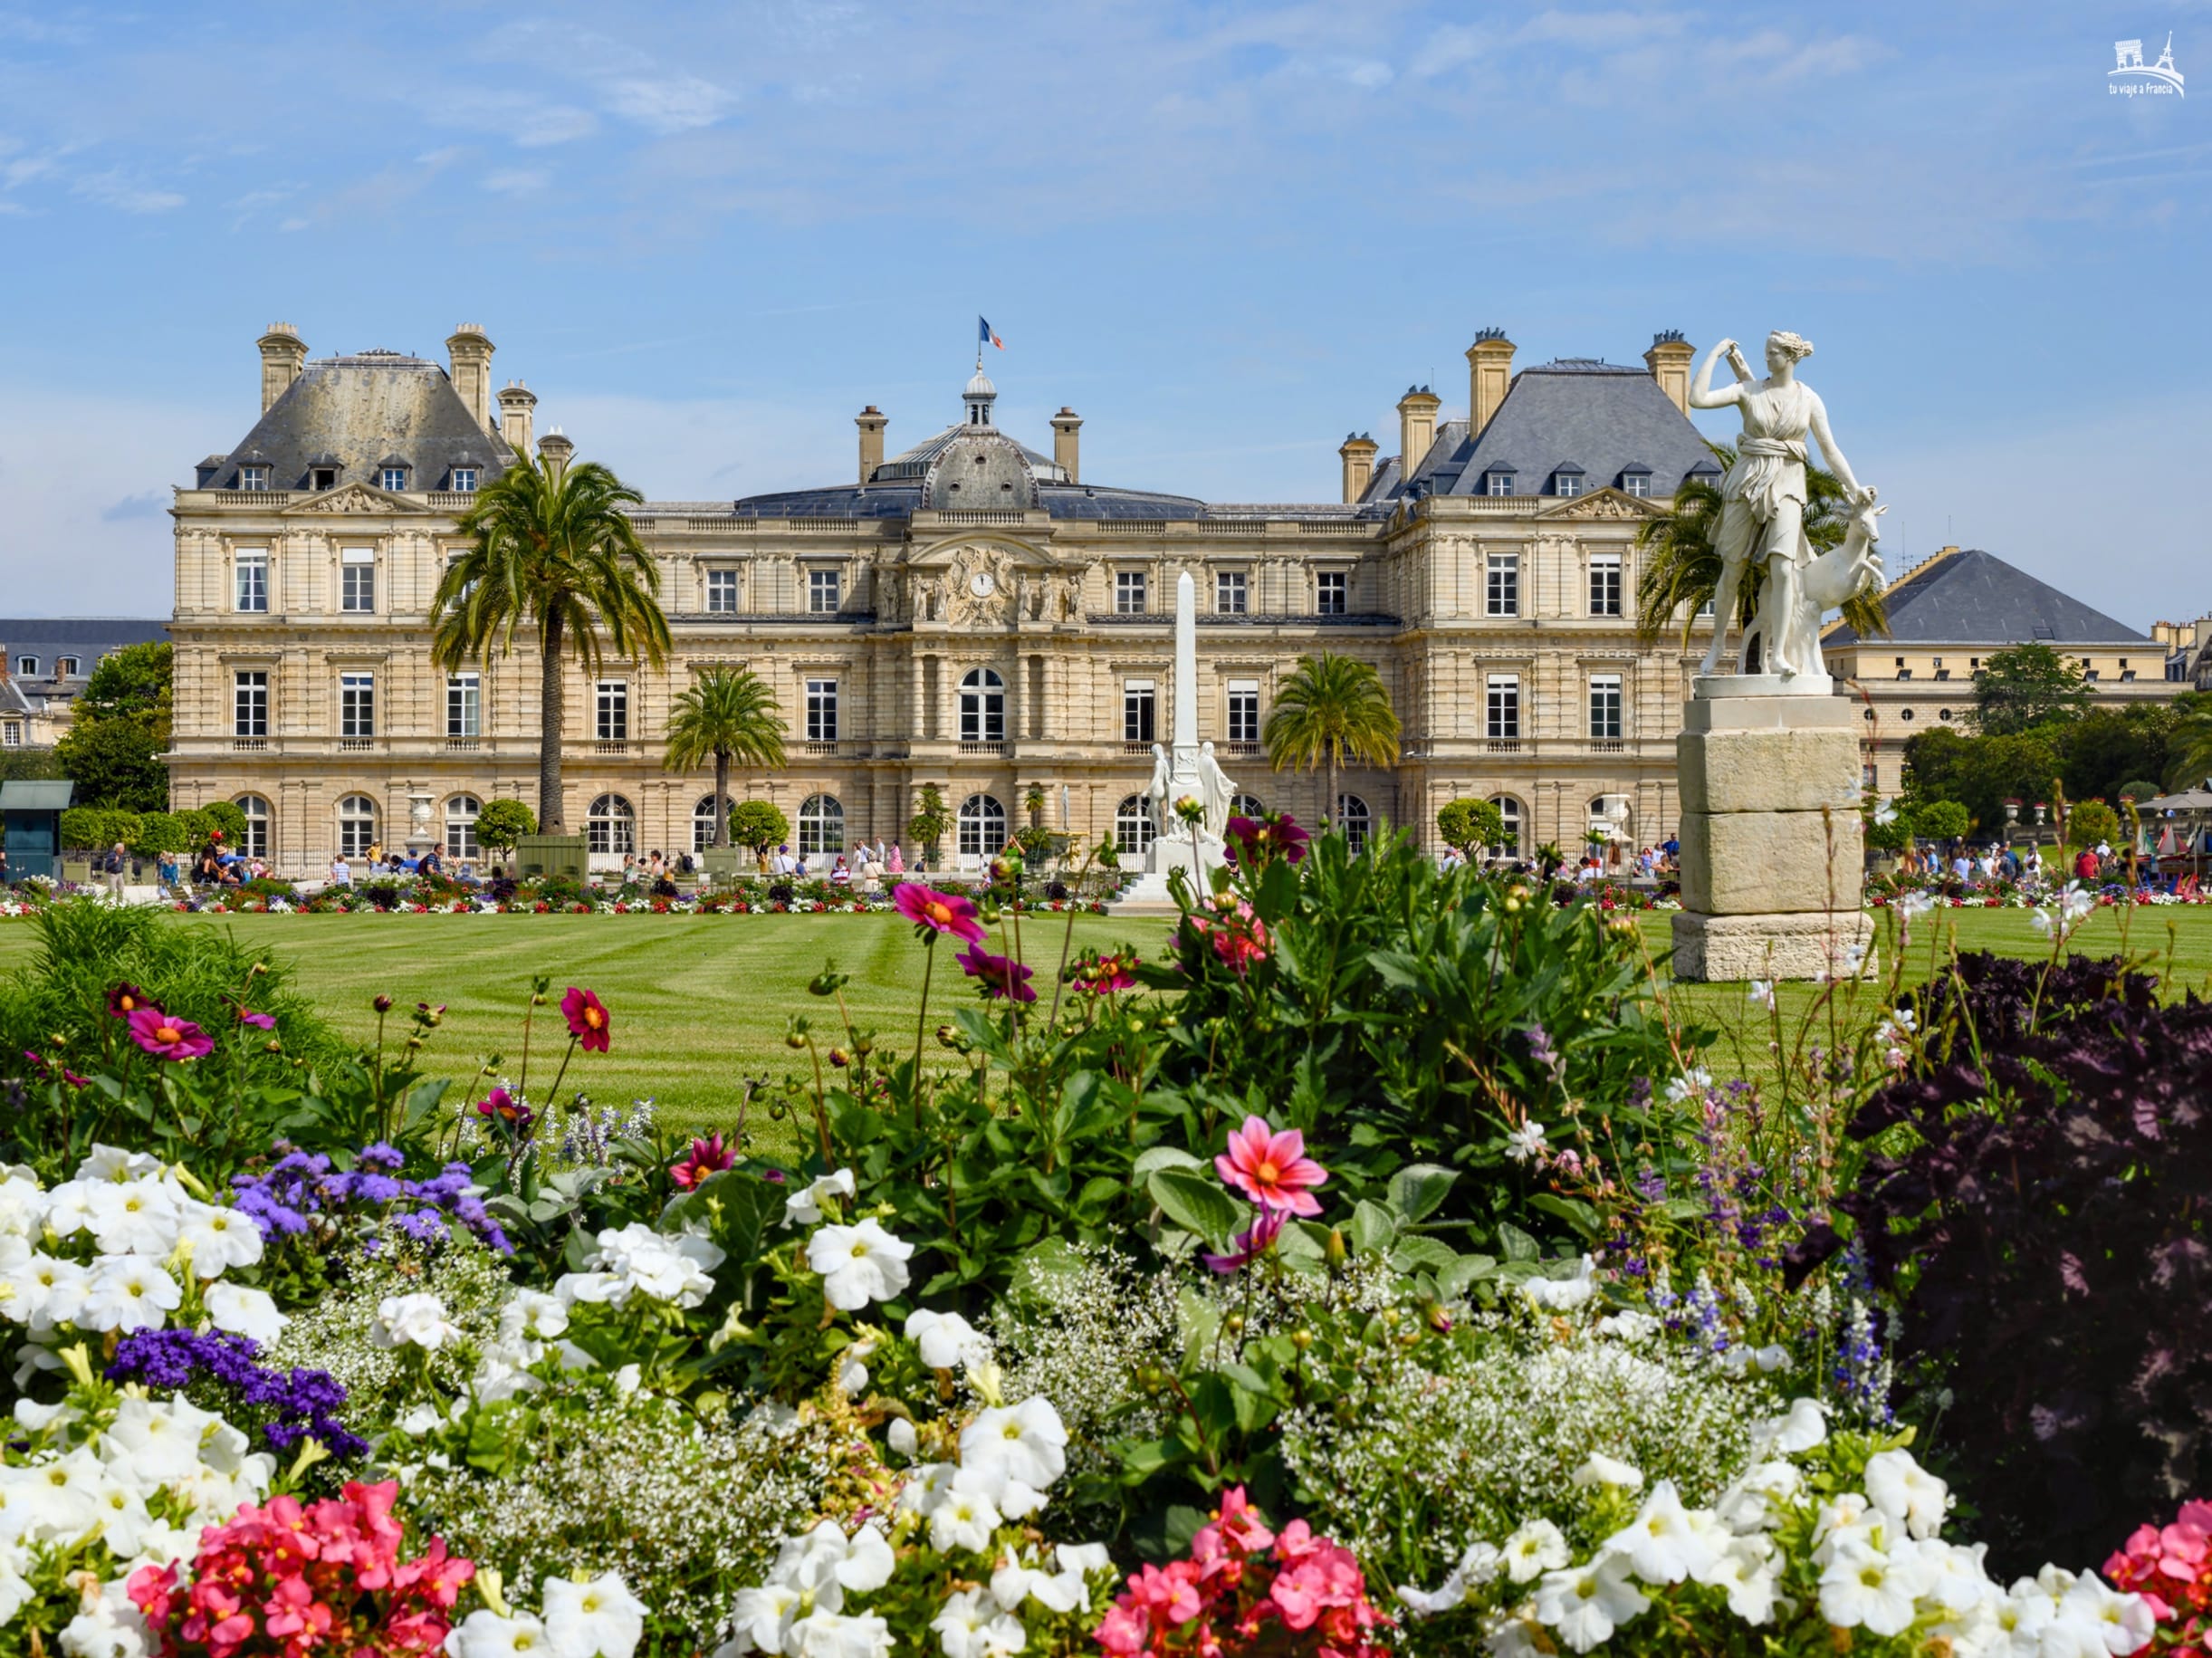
pixel 114 188
pixel 669 103
pixel 1602 30
pixel 518 180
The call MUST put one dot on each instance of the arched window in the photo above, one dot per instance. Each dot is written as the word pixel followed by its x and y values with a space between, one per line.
pixel 1245 806
pixel 703 821
pixel 821 827
pixel 612 825
pixel 983 826
pixel 357 825
pixel 982 707
pixel 255 842
pixel 1509 813
pixel 1133 826
pixel 461 827
pixel 1356 821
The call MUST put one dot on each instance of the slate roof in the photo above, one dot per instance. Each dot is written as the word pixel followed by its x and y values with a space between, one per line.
pixel 362 409
pixel 1578 412
pixel 1975 598
pixel 86 638
pixel 901 500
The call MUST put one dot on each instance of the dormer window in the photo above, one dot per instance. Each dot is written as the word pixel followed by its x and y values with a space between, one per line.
pixel 253 477
pixel 322 478
pixel 1708 476
pixel 1498 481
pixel 464 480
pixel 67 668
pixel 1636 481
pixel 394 478
pixel 1566 482
pixel 27 666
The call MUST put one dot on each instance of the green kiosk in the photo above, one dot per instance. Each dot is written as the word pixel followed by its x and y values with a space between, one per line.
pixel 34 809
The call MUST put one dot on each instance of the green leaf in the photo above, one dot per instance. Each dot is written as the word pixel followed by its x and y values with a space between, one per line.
pixel 1417 1190
pixel 1373 1226
pixel 1165 1157
pixel 1577 1213
pixel 1195 1203
pixel 1419 1254
pixel 1517 1245
pixel 1464 1273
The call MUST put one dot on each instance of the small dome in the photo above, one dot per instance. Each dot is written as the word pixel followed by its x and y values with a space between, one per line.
pixel 980 387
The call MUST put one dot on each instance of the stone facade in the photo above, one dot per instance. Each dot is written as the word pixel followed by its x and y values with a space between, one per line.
pixel 968 614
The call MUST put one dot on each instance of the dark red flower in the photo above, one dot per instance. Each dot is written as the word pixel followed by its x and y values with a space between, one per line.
pixel 588 1022
pixel 1002 977
pixel 708 1156
pixel 125 1000
pixel 1250 842
pixel 506 1107
pixel 260 1021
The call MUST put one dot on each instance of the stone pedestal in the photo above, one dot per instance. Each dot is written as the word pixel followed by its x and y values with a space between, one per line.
pixel 1772 852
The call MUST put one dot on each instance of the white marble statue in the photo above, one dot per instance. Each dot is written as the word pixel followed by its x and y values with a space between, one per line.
pixel 1161 792
pixel 1215 792
pixel 1762 515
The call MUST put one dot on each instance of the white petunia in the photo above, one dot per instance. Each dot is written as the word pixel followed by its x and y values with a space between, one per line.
pixel 1585 1605
pixel 2123 1622
pixel 763 1617
pixel 674 1268
pixel 1746 1571
pixel 1536 1547
pixel 598 1619
pixel 126 1293
pixel 1661 1543
pixel 1630 1325
pixel 58 1498
pixel 484 1633
pixel 138 1218
pixel 963 1517
pixel 858 1264
pixel 1480 1564
pixel 804 1208
pixel 1862 1587
pixel 160 1441
pixel 1908 1493
pixel 532 1316
pixel 1749 1504
pixel 122 1518
pixel 969 1628
pixel 412 1320
pixel 828 1635
pixel 113 1165
pixel 1801 1429
pixel 1598 1469
pixel 947 1340
pixel 1560 1294
pixel 220 1238
pixel 251 1313
pixel 68 1207
pixel 109 1626
pixel 901 1437
pixel 1027 1442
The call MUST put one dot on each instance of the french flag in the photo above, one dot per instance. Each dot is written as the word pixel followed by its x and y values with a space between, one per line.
pixel 985 336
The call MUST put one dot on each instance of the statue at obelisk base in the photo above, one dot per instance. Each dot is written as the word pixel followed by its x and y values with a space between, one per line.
pixel 1772 853
pixel 1184 770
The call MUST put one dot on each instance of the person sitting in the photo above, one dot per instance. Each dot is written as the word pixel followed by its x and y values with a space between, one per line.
pixel 840 876
pixel 230 875
pixel 342 873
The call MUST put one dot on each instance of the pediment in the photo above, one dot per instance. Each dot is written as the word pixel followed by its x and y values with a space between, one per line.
pixel 354 500
pixel 967 547
pixel 1604 503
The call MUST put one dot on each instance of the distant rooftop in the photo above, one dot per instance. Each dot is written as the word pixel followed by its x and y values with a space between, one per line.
pixel 1968 597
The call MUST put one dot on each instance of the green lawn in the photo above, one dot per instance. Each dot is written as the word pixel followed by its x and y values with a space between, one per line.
pixel 699 1003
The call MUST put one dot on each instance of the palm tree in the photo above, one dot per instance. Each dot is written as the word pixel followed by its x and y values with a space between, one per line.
pixel 550 549
pixel 1332 709
pixel 729 714
pixel 2188 751
pixel 1681 566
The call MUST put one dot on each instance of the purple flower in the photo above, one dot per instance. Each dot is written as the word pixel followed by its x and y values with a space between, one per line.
pixel 1252 1243
pixel 284 1406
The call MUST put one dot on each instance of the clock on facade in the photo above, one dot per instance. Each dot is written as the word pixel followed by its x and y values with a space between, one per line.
pixel 980 584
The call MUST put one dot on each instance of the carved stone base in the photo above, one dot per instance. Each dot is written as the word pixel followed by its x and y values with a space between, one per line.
pixel 1772 946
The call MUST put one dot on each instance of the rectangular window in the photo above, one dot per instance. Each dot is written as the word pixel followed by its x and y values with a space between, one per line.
pixel 1332 593
pixel 465 481
pixel 357 705
pixel 1636 484
pixel 252 578
pixel 10 735
pixel 1128 592
pixel 1502 584
pixel 1244 711
pixel 1606 707
pixel 253 477
pixel 1569 484
pixel 614 711
pixel 357 590
pixel 722 592
pixel 1229 592
pixel 1137 711
pixel 1504 711
pixel 27 666
pixel 392 478
pixel 250 702
pixel 1604 584
pixel 1500 483
pixel 822 591
pixel 463 705
pixel 821 711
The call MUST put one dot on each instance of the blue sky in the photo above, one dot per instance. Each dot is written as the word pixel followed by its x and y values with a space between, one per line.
pixel 707 235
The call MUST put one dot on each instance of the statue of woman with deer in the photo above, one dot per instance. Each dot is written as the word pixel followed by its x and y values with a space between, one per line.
pixel 1762 517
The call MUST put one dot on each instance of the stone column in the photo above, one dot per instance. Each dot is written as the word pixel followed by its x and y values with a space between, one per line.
pixel 1771 854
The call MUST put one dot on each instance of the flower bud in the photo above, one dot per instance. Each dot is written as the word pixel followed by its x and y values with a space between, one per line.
pixel 1301 1339
pixel 1338 1254
pixel 383 1005
pixel 793 1039
pixel 840 1057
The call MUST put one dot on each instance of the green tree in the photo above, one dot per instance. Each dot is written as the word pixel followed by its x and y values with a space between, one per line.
pixel 2091 822
pixel 1468 824
pixel 1940 821
pixel 132 682
pixel 1331 710
pixel 115 762
pixel 227 816
pixel 930 820
pixel 2188 746
pixel 500 824
pixel 2110 747
pixel 758 824
pixel 551 550
pixel 2027 686
pixel 1980 772
pixel 1681 564
pixel 729 715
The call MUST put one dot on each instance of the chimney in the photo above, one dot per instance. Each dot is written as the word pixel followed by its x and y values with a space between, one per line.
pixel 469 353
pixel 1668 360
pixel 555 451
pixel 1067 442
pixel 871 421
pixel 1490 376
pixel 1358 453
pixel 1417 427
pixel 283 355
pixel 515 402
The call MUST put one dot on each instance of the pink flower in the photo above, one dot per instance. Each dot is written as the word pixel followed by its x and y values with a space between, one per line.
pixel 1001 976
pixel 927 907
pixel 1272 1169
pixel 166 1037
pixel 589 1021
pixel 1249 1244
pixel 708 1156
pixel 505 1107
pixel 260 1021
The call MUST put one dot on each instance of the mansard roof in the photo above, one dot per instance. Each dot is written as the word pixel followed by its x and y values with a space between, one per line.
pixel 357 410
pixel 1579 412
pixel 1975 598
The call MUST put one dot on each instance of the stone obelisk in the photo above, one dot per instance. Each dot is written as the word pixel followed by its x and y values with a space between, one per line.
pixel 1173 846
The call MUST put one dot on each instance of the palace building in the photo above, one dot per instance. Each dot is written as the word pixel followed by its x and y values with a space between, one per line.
pixel 970 612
